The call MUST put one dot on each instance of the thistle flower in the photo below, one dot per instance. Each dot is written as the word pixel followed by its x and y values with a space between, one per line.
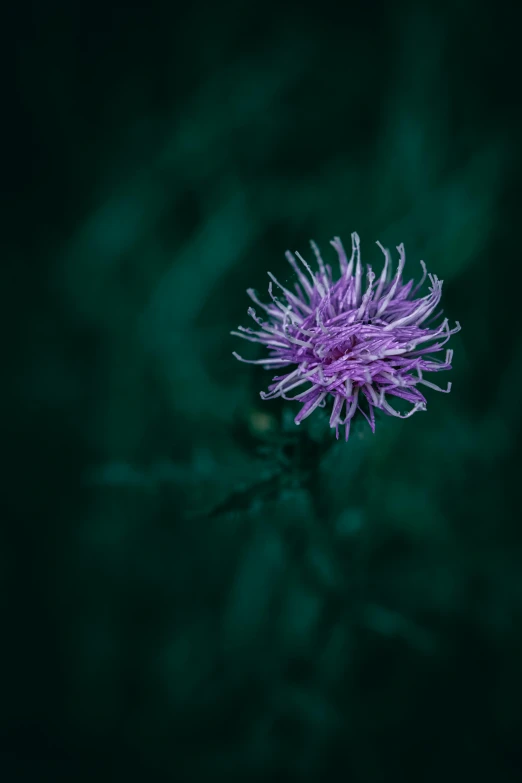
pixel 357 345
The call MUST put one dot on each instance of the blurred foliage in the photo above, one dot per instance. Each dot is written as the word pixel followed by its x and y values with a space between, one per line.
pixel 197 590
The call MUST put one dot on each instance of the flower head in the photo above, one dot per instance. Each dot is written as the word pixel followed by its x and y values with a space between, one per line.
pixel 357 342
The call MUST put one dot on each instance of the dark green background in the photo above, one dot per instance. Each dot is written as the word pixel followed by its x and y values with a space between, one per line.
pixel 196 590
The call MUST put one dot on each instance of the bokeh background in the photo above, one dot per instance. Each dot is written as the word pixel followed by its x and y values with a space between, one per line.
pixel 196 590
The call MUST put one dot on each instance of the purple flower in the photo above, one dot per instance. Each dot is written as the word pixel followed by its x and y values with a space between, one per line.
pixel 358 343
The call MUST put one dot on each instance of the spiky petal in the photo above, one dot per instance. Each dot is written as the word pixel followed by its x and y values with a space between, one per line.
pixel 356 341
